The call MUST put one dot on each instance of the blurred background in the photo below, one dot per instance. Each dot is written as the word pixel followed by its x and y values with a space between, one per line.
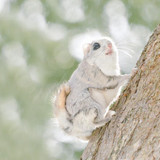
pixel 40 46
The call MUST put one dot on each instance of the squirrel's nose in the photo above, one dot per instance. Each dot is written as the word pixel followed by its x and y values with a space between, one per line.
pixel 110 45
pixel 109 48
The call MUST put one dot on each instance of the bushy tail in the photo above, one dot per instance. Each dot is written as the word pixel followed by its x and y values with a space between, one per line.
pixel 60 108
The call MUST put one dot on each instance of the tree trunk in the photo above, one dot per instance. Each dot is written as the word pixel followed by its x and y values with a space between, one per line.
pixel 134 133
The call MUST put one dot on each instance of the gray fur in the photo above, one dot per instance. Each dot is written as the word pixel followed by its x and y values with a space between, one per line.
pixel 94 85
pixel 84 78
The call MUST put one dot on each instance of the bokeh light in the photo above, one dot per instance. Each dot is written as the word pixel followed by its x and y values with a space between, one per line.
pixel 41 44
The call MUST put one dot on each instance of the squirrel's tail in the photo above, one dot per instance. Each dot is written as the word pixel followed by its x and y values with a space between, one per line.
pixel 60 108
pixel 61 96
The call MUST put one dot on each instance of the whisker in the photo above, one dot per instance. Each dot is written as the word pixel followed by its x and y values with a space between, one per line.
pixel 125 52
pixel 126 44
pixel 128 49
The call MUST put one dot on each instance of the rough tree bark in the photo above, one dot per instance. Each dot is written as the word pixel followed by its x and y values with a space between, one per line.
pixel 134 133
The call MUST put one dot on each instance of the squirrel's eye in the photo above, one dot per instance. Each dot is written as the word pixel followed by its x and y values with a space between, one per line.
pixel 96 46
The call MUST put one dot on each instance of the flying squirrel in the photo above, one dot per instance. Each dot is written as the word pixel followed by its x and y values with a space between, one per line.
pixel 82 104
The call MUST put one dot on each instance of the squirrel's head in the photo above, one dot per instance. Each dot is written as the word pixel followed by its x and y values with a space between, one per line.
pixel 104 54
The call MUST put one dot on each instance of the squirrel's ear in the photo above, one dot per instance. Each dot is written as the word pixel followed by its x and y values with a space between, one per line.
pixel 86 48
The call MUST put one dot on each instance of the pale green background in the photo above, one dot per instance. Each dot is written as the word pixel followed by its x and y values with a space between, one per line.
pixel 37 39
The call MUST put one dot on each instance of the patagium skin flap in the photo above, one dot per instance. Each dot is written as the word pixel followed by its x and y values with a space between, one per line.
pixel 93 86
